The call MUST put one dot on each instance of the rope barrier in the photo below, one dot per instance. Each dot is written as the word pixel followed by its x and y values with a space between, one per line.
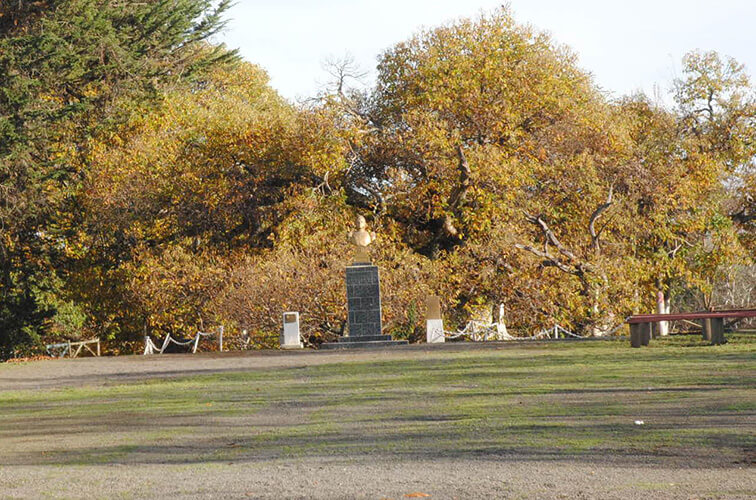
pixel 478 331
pixel 151 348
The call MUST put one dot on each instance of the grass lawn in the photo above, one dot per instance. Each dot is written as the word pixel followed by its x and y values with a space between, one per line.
pixel 562 402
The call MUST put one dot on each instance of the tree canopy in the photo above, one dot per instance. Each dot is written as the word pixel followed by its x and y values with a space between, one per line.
pixel 151 181
pixel 70 69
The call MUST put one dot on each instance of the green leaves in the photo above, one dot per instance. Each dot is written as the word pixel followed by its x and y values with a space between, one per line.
pixel 143 181
pixel 69 70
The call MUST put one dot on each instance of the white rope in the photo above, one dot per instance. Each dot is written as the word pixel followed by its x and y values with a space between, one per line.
pixel 165 343
pixel 197 339
pixel 174 341
pixel 151 348
pixel 483 332
pixel 615 329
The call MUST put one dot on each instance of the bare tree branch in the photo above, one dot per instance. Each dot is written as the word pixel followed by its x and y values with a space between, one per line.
pixel 550 236
pixel 459 193
pixel 550 259
pixel 343 69
pixel 596 235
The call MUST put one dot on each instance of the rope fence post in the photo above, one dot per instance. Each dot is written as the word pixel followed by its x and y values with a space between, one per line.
pixel 220 339
pixel 165 343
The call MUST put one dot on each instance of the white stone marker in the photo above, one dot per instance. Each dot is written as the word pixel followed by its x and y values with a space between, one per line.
pixel 434 323
pixel 290 338
pixel 501 326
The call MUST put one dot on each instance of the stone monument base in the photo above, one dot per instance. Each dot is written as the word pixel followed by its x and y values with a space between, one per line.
pixel 434 329
pixel 364 307
pixel 290 338
pixel 363 342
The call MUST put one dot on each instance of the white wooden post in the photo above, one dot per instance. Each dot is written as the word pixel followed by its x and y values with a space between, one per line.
pixel 501 326
pixel 165 342
pixel 220 339
pixel 434 322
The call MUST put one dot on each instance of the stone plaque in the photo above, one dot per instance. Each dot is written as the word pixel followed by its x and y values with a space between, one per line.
pixel 363 301
pixel 434 323
pixel 433 307
pixel 290 336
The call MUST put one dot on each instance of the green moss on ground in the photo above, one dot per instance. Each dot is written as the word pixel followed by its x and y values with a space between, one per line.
pixel 571 401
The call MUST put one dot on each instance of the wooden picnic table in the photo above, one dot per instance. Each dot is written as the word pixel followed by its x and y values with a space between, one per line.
pixel 642 326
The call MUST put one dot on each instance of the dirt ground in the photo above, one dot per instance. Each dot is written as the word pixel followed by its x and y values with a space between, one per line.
pixel 379 475
pixel 123 369
pixel 437 479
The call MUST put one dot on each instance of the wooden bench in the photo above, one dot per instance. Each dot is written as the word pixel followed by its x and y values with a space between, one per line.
pixel 642 326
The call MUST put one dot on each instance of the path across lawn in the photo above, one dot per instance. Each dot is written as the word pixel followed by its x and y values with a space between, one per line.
pixel 533 420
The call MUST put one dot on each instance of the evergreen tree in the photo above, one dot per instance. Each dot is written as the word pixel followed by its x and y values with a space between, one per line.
pixel 69 69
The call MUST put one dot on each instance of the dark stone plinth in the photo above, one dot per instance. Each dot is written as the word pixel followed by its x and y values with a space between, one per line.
pixel 364 338
pixel 363 344
pixel 364 306
pixel 363 300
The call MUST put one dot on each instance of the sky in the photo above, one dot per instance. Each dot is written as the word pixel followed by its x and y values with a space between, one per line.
pixel 626 45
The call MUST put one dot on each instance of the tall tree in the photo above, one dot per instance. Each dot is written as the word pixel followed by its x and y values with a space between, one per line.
pixel 717 106
pixel 69 68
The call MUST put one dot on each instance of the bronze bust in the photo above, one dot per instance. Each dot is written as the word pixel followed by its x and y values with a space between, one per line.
pixel 361 238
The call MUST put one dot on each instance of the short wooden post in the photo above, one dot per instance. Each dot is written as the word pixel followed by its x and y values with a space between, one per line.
pixel 635 337
pixel 646 333
pixel 70 352
pixel 220 339
pixel 98 348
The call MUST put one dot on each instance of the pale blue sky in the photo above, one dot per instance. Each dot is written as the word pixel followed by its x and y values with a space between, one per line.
pixel 627 45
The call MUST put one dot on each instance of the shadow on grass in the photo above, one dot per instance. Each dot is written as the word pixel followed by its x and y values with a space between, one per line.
pixel 462 406
pixel 588 443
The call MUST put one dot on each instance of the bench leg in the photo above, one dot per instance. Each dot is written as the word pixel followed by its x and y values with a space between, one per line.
pixel 645 329
pixel 655 330
pixel 706 327
pixel 717 331
pixel 635 337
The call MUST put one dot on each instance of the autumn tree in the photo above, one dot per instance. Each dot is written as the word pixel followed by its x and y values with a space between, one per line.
pixel 498 155
pixel 717 107
pixel 68 69
pixel 150 186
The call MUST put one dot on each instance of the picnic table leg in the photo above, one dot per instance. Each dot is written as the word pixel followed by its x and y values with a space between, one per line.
pixel 655 330
pixel 717 331
pixel 645 333
pixel 706 327
pixel 635 338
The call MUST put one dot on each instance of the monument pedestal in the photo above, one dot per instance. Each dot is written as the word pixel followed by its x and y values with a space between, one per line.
pixel 364 306
pixel 290 338
pixel 434 323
